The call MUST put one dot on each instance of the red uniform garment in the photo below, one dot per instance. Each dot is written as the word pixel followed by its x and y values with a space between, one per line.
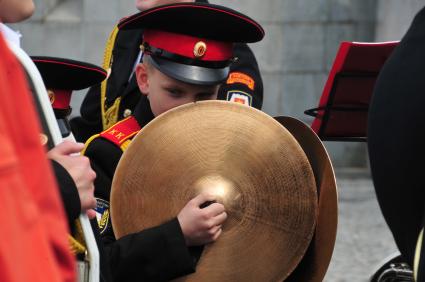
pixel 33 245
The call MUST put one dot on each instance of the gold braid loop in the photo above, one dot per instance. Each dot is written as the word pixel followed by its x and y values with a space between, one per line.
pixel 109 116
pixel 77 242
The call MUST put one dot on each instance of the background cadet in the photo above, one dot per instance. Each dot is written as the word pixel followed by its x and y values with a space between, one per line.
pixel 75 176
pixel 117 97
pixel 73 171
pixel 168 78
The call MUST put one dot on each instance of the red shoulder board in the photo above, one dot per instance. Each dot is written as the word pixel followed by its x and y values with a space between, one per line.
pixel 122 131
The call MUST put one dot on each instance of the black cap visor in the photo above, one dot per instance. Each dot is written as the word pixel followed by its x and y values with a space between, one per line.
pixel 66 74
pixel 188 73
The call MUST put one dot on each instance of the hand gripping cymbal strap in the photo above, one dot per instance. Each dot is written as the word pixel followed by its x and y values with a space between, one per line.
pixel 49 119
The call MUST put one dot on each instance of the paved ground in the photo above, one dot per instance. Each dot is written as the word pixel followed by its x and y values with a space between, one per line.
pixel 363 238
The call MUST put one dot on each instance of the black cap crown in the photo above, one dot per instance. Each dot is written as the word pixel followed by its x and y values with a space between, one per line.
pixel 193 42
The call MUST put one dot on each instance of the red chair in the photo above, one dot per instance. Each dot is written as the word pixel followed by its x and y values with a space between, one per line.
pixel 343 107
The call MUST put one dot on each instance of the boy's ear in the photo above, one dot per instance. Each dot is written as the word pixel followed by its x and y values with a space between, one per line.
pixel 142 78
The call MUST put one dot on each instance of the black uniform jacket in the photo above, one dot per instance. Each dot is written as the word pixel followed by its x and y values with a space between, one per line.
pixel 244 82
pixel 396 138
pixel 155 254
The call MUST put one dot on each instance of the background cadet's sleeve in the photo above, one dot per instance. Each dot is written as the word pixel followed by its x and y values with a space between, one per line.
pixel 90 121
pixel 104 157
pixel 69 193
pixel 244 83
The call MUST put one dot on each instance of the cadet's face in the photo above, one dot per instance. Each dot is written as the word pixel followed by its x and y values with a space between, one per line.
pixel 147 4
pixel 12 11
pixel 165 93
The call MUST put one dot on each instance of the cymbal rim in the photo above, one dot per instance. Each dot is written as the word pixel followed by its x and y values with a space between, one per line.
pixel 315 262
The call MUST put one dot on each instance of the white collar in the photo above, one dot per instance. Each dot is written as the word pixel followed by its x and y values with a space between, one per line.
pixel 10 34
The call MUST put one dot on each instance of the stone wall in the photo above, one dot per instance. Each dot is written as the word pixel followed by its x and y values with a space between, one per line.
pixel 302 37
pixel 394 18
pixel 75 29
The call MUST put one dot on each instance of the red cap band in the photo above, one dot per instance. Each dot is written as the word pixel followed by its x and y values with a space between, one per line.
pixel 60 99
pixel 187 46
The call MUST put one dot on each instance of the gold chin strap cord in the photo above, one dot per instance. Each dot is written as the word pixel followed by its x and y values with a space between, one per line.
pixel 77 242
pixel 109 115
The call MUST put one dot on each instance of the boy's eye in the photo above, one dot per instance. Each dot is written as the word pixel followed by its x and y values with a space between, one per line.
pixel 174 92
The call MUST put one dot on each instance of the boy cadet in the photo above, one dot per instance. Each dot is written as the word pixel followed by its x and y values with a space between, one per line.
pixel 116 98
pixel 171 75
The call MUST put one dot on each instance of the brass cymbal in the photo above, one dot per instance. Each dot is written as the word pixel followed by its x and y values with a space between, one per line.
pixel 254 166
pixel 316 261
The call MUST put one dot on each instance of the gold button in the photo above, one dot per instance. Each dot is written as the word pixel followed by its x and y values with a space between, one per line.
pixel 43 139
pixel 51 96
pixel 127 113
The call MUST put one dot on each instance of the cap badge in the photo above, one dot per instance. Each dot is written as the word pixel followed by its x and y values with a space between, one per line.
pixel 51 96
pixel 200 49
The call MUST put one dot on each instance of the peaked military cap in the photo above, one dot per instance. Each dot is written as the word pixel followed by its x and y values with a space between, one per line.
pixel 193 42
pixel 62 76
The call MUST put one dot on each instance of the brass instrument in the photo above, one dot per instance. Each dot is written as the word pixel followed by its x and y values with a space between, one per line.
pixel 393 269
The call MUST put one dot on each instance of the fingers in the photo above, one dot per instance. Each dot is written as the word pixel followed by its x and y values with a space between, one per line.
pixel 89 172
pixel 214 212
pixel 79 168
pixel 213 234
pixel 68 147
pixel 219 219
pixel 202 225
pixel 202 198
pixel 92 202
pixel 91 213
pixel 217 233
pixel 87 199
pixel 214 209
